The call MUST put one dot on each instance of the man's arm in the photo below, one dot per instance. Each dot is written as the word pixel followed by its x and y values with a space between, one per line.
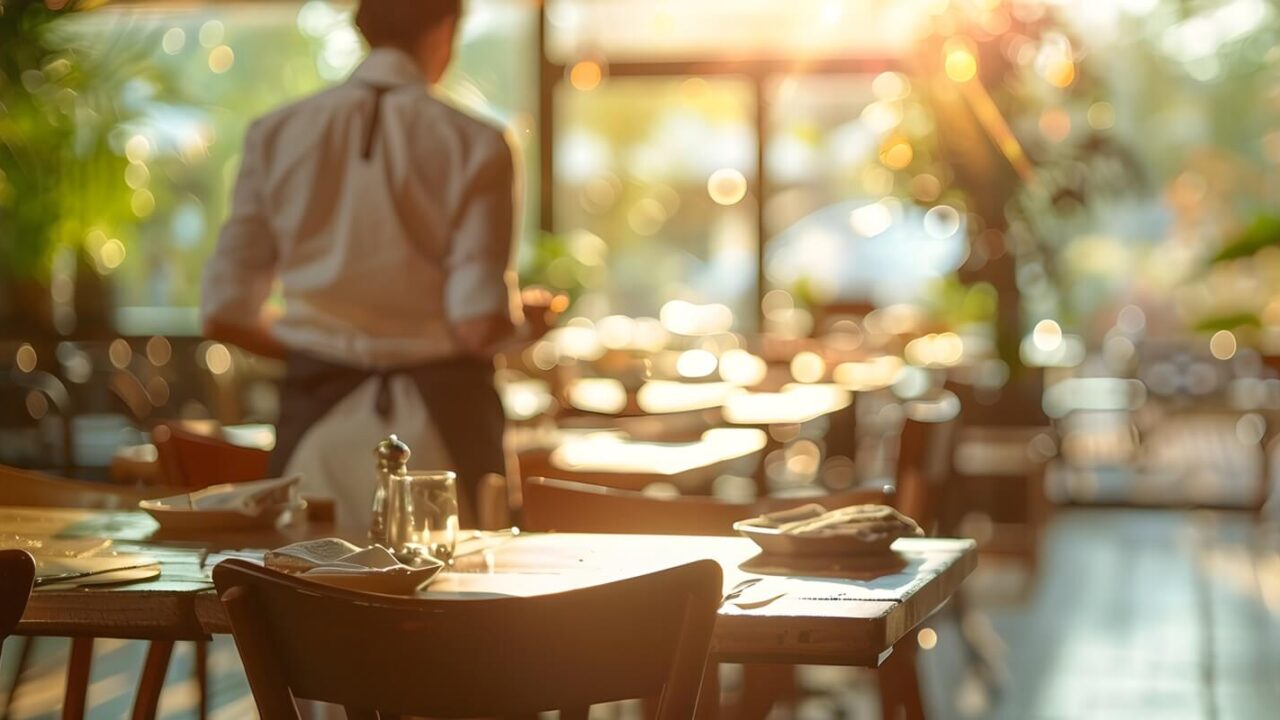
pixel 238 277
pixel 479 280
pixel 257 339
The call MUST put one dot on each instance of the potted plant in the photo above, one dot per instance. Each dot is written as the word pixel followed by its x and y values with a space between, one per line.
pixel 60 177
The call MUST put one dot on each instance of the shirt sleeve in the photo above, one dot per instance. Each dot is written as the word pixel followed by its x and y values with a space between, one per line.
pixel 239 275
pixel 479 278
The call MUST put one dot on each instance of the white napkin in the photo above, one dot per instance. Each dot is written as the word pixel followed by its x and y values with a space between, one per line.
pixel 332 556
pixel 246 497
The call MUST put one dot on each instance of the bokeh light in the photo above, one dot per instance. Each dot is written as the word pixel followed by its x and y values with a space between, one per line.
pixel 695 364
pixel 174 40
pixel 942 222
pixel 221 59
pixel 1223 345
pixel 960 63
pixel 727 186
pixel 586 75
pixel 26 358
pixel 808 367
pixel 740 367
pixel 1101 115
pixel 1047 335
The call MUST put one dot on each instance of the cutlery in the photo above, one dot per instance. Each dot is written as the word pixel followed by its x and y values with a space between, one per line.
pixel 67 577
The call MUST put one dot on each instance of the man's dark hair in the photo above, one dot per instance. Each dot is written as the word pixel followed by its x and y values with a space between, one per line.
pixel 402 23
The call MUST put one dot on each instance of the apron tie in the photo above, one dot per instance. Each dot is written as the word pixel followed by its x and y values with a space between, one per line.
pixel 371 129
pixel 384 404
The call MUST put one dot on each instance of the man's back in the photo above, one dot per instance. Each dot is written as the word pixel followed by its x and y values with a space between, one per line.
pixel 386 214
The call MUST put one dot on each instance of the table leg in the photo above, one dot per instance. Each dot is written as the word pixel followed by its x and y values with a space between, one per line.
pixel 78 668
pixel 202 676
pixel 24 659
pixel 899 683
pixel 153 671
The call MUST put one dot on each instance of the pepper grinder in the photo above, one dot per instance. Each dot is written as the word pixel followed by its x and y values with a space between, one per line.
pixel 393 461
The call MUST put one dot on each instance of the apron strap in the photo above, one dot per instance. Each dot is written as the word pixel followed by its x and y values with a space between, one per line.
pixel 375 112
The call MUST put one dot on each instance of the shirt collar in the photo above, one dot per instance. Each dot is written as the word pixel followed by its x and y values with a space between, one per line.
pixel 388 66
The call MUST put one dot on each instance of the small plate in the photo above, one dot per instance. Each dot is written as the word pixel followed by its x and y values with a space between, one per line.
pixel 764 531
pixel 774 542
pixel 179 514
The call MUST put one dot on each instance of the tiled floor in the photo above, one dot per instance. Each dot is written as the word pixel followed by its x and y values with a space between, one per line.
pixel 1137 614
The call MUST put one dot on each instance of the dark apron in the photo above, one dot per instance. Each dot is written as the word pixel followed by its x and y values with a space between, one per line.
pixel 459 395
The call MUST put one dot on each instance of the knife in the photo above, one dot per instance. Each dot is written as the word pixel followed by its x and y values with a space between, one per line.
pixel 67 577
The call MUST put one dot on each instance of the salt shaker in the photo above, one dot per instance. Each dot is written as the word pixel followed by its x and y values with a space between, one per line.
pixel 393 462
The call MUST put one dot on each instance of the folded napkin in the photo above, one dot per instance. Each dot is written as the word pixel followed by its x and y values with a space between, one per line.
pixel 332 556
pixel 338 563
pixel 247 497
pixel 867 523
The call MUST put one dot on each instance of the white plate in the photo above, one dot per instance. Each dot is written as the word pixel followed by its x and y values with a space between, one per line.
pixel 182 513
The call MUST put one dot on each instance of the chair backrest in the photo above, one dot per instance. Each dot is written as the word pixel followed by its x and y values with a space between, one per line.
pixel 566 506
pixel 17 573
pixel 484 657
pixel 194 461
pixel 33 489
pixel 925 446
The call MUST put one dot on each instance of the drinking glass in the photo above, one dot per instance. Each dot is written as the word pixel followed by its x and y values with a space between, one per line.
pixel 423 511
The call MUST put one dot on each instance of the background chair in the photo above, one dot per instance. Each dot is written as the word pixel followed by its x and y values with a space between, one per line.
pixel 925 446
pixel 17 575
pixel 1003 451
pixel 472 658
pixel 191 460
pixel 568 506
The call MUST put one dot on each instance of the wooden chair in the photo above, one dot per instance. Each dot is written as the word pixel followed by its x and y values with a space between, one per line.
pixel 487 657
pixel 566 506
pixel 925 446
pixel 192 460
pixel 17 575
pixel 1001 456
pixel 26 488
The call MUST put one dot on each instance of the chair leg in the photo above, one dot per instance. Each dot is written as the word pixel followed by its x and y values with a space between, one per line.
pixel 152 682
pixel 899 683
pixel 708 694
pixel 78 668
pixel 202 676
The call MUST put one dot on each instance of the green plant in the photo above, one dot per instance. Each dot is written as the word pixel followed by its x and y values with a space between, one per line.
pixel 1263 232
pixel 1232 321
pixel 59 103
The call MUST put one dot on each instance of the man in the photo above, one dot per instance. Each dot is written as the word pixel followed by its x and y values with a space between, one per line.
pixel 386 217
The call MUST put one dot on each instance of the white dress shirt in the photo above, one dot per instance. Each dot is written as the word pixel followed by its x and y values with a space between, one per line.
pixel 376 256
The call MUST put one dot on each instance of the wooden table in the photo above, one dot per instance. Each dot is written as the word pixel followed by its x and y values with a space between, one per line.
pixel 825 616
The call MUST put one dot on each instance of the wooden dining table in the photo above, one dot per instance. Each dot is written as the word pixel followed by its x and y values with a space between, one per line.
pixel 813 612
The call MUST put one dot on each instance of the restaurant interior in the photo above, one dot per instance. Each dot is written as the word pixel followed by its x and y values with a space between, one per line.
pixel 889 358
